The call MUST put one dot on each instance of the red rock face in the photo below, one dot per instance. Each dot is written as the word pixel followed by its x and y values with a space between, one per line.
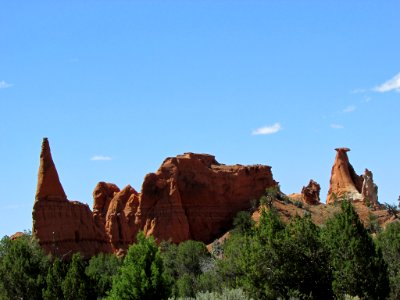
pixel 191 196
pixel 345 183
pixel 310 193
pixel 61 226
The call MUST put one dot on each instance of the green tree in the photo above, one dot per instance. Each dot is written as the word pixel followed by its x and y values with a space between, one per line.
pixel 100 270
pixel 358 268
pixel 243 223
pixel 23 266
pixel 142 273
pixel 183 263
pixel 54 279
pixel 389 243
pixel 252 261
pixel 76 284
pixel 305 267
pixel 277 260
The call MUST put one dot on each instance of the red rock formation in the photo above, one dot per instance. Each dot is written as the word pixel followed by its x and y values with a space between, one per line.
pixel 345 183
pixel 191 196
pixel 16 235
pixel 310 193
pixel 369 190
pixel 117 222
pixel 63 227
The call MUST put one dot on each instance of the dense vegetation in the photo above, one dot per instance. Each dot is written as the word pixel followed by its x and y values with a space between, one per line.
pixel 268 260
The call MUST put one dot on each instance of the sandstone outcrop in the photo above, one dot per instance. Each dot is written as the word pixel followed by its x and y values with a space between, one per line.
pixel 310 193
pixel 63 227
pixel 191 196
pixel 369 190
pixel 345 183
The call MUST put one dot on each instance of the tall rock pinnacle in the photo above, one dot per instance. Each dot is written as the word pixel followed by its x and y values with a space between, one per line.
pixel 344 183
pixel 49 186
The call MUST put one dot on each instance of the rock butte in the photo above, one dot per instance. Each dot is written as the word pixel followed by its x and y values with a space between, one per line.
pixel 191 196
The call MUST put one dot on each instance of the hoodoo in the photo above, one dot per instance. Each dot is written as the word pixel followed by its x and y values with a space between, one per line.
pixel 345 183
pixel 191 196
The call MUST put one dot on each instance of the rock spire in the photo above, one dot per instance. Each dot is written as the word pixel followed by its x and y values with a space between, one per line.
pixel 49 186
pixel 345 183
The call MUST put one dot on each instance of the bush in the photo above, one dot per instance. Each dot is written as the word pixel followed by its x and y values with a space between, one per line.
pixel 142 273
pixel 243 223
pixel 76 284
pixel 298 204
pixel 23 267
pixel 184 264
pixel 100 270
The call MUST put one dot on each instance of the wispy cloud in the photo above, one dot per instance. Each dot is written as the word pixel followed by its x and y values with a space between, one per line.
pixel 390 85
pixel 349 109
pixel 4 85
pixel 358 91
pixel 100 158
pixel 267 129
pixel 337 126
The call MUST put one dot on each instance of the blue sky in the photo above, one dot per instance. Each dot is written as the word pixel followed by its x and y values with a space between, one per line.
pixel 118 86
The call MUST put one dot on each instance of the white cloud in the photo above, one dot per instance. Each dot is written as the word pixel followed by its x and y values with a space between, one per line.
pixel 267 129
pixel 4 85
pixel 390 85
pixel 100 157
pixel 349 109
pixel 337 126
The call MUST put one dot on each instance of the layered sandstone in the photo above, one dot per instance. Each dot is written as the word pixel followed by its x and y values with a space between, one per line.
pixel 346 184
pixel 63 227
pixel 191 196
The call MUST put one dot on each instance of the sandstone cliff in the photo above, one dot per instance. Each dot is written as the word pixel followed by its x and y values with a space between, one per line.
pixel 191 196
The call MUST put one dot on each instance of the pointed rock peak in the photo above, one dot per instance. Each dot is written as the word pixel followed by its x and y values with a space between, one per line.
pixel 49 186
